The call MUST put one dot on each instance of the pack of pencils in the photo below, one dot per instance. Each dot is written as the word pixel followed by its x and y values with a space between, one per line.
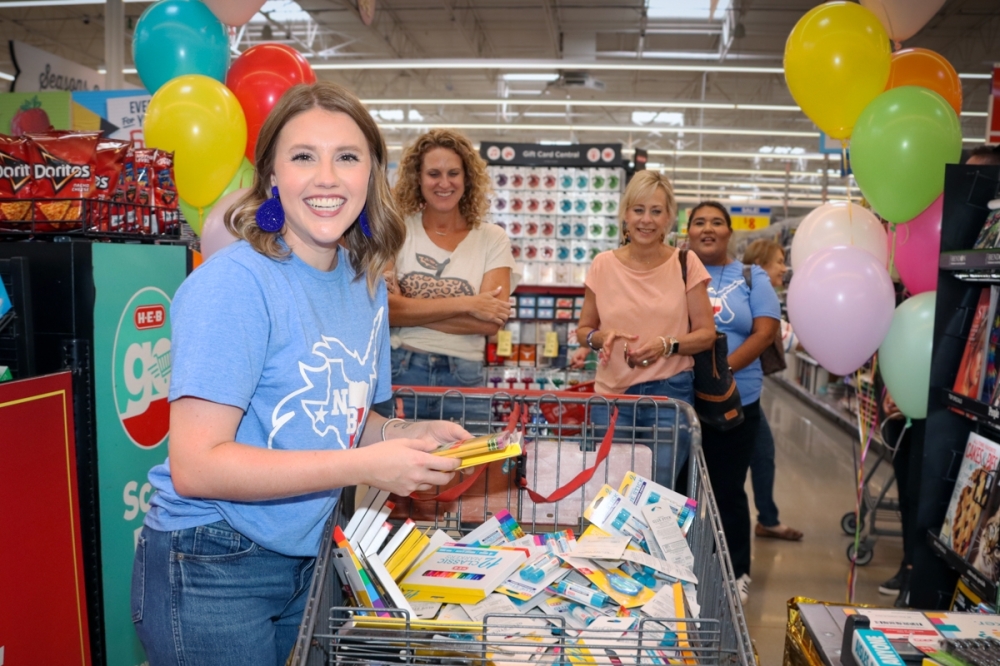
pixel 483 449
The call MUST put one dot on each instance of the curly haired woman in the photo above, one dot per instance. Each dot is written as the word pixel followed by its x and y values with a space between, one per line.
pixel 451 282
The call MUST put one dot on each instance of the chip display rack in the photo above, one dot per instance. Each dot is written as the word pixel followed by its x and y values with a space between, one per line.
pixel 565 429
pixel 89 218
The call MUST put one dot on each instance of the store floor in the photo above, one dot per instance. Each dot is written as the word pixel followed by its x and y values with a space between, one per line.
pixel 814 487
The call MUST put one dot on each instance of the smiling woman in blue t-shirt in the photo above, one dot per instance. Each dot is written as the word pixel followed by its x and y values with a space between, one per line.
pixel 280 347
pixel 750 318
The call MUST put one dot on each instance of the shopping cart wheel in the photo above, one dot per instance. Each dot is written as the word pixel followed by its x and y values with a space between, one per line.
pixel 865 554
pixel 849 523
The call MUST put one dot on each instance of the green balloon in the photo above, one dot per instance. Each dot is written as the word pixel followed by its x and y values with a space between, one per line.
pixel 196 217
pixel 899 148
pixel 905 355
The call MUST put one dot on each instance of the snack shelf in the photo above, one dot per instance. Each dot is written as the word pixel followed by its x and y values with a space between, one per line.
pixel 92 218
pixel 976 581
pixel 972 409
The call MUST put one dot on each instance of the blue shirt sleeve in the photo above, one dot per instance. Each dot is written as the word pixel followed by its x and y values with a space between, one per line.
pixel 220 328
pixel 763 300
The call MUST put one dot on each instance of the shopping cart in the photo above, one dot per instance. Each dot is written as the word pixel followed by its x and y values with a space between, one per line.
pixel 564 437
pixel 875 506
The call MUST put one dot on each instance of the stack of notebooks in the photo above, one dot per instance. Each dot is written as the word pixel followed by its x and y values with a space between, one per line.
pixel 633 560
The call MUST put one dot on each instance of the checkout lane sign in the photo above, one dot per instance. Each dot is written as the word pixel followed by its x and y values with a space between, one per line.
pixel 141 373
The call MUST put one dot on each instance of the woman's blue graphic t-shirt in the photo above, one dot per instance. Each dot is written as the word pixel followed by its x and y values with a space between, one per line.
pixel 303 352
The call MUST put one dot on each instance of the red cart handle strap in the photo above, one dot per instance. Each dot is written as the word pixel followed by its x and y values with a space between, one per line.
pixel 583 477
pixel 456 491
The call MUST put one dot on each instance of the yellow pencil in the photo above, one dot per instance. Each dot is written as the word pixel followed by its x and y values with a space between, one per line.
pixel 474 446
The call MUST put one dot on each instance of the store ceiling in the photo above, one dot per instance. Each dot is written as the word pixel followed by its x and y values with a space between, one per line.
pixel 596 105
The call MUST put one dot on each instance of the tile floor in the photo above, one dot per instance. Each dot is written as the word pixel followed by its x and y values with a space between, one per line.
pixel 814 487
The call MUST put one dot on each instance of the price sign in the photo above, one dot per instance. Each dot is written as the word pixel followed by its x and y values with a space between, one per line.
pixel 750 218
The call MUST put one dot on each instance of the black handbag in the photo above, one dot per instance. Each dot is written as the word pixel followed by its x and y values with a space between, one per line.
pixel 716 396
pixel 772 359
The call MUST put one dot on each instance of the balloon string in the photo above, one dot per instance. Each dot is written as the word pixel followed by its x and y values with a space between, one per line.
pixel 866 430
pixel 892 247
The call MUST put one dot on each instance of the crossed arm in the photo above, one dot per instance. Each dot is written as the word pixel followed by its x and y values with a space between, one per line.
pixel 483 314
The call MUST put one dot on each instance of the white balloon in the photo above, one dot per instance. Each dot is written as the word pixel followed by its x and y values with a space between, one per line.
pixel 838 224
pixel 214 235
pixel 903 18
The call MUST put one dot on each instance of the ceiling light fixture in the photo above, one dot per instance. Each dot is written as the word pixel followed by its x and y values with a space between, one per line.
pixel 12 4
pixel 611 104
pixel 666 129
pixel 593 65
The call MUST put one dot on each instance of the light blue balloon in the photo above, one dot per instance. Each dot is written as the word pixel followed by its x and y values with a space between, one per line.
pixel 178 37
pixel 905 355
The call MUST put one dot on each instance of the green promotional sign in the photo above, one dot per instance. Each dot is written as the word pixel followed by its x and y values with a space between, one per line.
pixel 134 285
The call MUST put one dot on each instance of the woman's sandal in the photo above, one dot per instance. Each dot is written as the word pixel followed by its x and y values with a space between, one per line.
pixel 779 532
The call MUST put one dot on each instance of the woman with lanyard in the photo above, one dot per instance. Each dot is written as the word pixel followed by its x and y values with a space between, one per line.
pixel 451 282
pixel 280 346
pixel 749 317
pixel 642 318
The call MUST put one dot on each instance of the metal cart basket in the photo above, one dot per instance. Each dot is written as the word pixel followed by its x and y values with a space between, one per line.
pixel 565 429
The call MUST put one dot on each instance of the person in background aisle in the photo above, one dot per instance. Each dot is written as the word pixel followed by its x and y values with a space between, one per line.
pixel 641 317
pixel 750 318
pixel 451 282
pixel 770 256
pixel 259 451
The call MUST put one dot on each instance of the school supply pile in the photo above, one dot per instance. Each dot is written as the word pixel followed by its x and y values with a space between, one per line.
pixel 631 565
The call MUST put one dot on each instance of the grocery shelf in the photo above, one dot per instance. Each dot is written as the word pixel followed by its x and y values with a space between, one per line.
pixel 549 290
pixel 976 581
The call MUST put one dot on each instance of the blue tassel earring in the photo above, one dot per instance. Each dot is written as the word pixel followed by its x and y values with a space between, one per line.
pixel 270 215
pixel 363 221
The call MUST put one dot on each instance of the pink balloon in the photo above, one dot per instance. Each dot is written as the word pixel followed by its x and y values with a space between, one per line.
pixel 918 246
pixel 840 304
pixel 214 235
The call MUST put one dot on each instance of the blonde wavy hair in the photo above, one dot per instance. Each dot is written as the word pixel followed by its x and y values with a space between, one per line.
pixel 643 184
pixel 474 203
pixel 368 256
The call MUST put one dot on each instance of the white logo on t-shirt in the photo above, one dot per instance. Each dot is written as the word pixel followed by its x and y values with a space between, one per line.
pixel 720 303
pixel 334 400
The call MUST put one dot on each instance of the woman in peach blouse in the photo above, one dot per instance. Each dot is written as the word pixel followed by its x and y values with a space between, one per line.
pixel 642 318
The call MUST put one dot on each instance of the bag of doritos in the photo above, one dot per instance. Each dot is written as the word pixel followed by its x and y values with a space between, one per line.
pixel 110 157
pixel 141 189
pixel 165 192
pixel 15 183
pixel 62 165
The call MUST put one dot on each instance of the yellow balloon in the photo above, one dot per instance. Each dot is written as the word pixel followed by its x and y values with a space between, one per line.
pixel 837 60
pixel 201 121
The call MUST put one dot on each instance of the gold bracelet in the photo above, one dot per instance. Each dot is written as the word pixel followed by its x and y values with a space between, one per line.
pixel 663 341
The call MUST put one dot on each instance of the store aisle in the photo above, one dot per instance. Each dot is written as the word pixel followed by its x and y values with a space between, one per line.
pixel 813 489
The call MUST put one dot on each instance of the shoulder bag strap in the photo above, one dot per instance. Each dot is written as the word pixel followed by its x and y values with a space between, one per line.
pixel 747 276
pixel 684 265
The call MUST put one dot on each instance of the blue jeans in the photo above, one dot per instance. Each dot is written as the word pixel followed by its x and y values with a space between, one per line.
pixel 635 421
pixel 415 369
pixel 762 475
pixel 210 596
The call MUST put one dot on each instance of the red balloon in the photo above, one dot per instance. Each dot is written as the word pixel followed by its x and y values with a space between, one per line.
pixel 259 77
